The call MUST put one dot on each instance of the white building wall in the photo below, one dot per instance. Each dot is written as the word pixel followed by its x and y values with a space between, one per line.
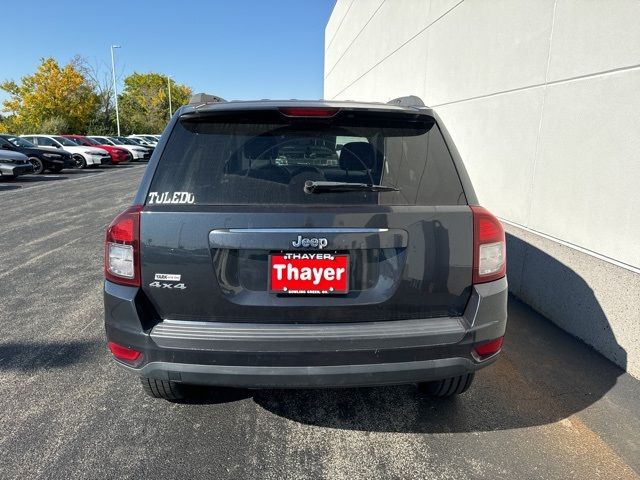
pixel 543 100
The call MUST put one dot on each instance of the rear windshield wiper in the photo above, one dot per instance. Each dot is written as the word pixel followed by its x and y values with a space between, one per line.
pixel 312 186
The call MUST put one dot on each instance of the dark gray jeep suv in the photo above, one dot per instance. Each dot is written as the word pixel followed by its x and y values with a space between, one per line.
pixel 305 244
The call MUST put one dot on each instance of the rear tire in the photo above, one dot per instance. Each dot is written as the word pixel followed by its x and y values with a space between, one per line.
pixel 164 389
pixel 447 387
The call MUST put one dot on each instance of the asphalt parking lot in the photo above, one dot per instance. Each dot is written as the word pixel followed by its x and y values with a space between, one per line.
pixel 549 408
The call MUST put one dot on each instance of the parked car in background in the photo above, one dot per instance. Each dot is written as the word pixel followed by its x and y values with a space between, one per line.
pixel 145 139
pixel 83 156
pixel 41 158
pixel 137 152
pixel 134 142
pixel 118 155
pixel 13 164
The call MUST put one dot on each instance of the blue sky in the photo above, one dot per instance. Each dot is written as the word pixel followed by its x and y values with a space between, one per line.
pixel 238 49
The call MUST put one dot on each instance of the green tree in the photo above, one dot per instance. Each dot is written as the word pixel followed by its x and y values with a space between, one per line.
pixel 53 95
pixel 144 103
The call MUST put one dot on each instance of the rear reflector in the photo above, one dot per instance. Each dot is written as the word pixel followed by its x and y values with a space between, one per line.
pixel 309 112
pixel 122 248
pixel 489 247
pixel 123 353
pixel 489 348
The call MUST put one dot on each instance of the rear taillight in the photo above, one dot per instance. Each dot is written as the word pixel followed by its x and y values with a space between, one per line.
pixel 309 111
pixel 122 248
pixel 489 247
pixel 124 353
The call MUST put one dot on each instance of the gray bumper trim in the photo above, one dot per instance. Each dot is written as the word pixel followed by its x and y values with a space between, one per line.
pixel 321 337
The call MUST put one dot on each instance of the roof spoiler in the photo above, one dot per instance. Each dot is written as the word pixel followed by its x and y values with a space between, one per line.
pixel 408 101
pixel 204 99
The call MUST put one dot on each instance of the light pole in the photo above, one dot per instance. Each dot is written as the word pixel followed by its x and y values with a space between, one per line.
pixel 169 87
pixel 115 88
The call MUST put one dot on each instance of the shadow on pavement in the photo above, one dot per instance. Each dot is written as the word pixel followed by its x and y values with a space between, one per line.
pixel 120 166
pixel 26 179
pixel 5 185
pixel 33 356
pixel 544 375
pixel 196 395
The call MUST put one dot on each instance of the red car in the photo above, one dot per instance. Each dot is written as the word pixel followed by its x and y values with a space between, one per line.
pixel 118 155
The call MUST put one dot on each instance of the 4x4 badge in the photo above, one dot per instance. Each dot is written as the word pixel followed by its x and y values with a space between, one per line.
pixel 170 286
pixel 319 243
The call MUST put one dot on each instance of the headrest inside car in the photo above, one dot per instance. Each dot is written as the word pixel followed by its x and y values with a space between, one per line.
pixel 357 156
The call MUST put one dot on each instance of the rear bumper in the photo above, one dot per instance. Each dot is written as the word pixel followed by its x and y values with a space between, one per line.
pixel 97 159
pixel 140 155
pixel 306 355
pixel 118 158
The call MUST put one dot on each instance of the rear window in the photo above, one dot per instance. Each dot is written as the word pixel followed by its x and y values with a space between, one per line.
pixel 264 157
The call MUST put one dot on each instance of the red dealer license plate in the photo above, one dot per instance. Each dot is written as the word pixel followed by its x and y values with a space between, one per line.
pixel 309 273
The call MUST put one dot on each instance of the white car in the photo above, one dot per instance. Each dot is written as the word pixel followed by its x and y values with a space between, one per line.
pixel 137 153
pixel 83 156
pixel 146 139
